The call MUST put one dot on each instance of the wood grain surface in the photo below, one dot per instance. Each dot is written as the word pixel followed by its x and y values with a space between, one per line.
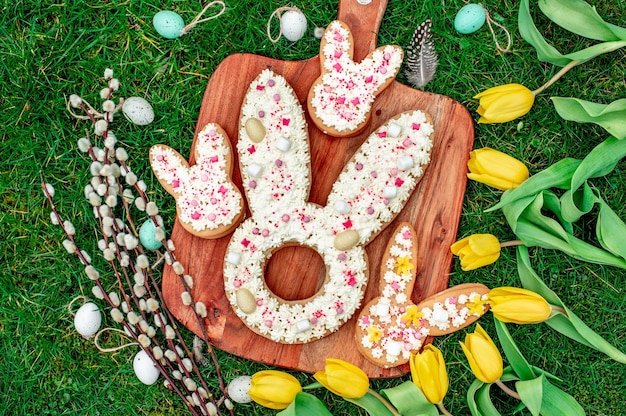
pixel 297 272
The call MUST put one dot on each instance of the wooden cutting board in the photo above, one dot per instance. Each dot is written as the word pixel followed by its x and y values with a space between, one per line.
pixel 297 272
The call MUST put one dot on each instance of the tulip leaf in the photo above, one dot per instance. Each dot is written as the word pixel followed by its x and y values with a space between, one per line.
pixel 471 397
pixel 611 117
pixel 567 323
pixel 610 230
pixel 579 17
pixel 305 404
pixel 600 161
pixel 514 356
pixel 576 203
pixel 372 404
pixel 528 30
pixel 556 402
pixel 409 400
pixel 483 400
pixel 531 393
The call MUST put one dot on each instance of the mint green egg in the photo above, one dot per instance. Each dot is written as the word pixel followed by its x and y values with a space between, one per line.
pixel 147 236
pixel 168 24
pixel 470 18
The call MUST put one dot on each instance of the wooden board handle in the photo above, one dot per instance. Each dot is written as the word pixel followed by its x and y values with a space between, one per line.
pixel 364 22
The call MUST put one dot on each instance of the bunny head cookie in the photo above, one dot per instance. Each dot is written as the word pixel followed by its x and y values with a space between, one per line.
pixel 275 167
pixel 340 100
pixel 208 204
pixel 391 327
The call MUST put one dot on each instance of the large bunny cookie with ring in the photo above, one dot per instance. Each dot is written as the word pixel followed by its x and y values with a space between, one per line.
pixel 275 167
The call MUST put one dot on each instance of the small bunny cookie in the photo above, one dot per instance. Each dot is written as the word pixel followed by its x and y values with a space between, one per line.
pixel 208 204
pixel 275 168
pixel 391 327
pixel 340 100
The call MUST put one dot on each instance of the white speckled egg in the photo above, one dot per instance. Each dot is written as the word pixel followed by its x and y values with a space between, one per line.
pixel 470 18
pixel 144 367
pixel 238 389
pixel 294 25
pixel 168 24
pixel 88 319
pixel 147 236
pixel 138 111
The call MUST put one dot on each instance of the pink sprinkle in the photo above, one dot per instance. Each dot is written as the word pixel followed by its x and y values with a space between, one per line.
pixel 338 37
pixel 359 166
pixel 416 126
pixel 245 242
pixel 160 158
pixel 395 286
pixel 261 113
pixel 383 70
pixel 382 134
pixel 260 87
pixel 222 189
pixel 175 183
pixel 271 82
pixel 351 282
pixel 268 323
pixel 342 257
pixel 402 309
pixel 327 89
pixel 286 121
pixel 306 219
pixel 265 232
pixel 276 97
pixel 452 301
pixel 386 201
pixel 194 203
pixel 419 335
pixel 399 182
pixel 387 56
pixel 255 231
pixel 408 346
pixel 341 100
pixel 213 159
pixel 195 215
pixel 278 162
pixel 337 67
pixel 251 149
pixel 237 283
pixel 285 218
pixel 374 174
pixel 393 171
pixel 313 320
pixel 369 79
pixel 338 54
pixel 212 132
pixel 407 142
pixel 213 201
pixel 211 217
pixel 406 235
pixel 347 224
pixel 356 101
pixel 366 320
pixel 259 302
pixel 370 210
pixel 339 310
pixel 252 184
pixel 204 177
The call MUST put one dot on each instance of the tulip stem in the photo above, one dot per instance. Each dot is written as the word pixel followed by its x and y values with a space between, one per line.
pixel 443 409
pixel 384 401
pixel 556 76
pixel 512 243
pixel 507 390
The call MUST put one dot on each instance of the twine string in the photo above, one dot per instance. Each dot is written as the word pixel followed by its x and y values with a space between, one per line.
pixel 278 13
pixel 85 299
pixel 490 21
pixel 112 349
pixel 197 20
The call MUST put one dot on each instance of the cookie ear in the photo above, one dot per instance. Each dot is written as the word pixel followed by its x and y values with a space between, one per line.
pixel 273 144
pixel 170 168
pixel 379 179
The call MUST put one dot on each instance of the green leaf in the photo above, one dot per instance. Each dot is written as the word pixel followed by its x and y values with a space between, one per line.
pixel 371 404
pixel 610 230
pixel 556 402
pixel 531 393
pixel 600 161
pixel 579 17
pixel 305 404
pixel 528 30
pixel 512 353
pixel 611 117
pixel 575 204
pixel 484 401
pixel 586 54
pixel 471 397
pixel 409 400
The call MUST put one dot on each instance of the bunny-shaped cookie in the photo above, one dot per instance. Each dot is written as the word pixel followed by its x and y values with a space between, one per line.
pixel 391 327
pixel 340 100
pixel 274 162
pixel 208 204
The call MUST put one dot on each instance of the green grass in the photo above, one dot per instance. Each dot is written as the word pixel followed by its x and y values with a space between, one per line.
pixel 49 50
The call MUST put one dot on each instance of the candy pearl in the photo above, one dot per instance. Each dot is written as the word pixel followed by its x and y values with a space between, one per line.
pixel 383 70
pixel 342 257
pixel 408 346
pixel 313 320
pixel 211 217
pixel 285 218
pixel 268 323
pixel 374 174
pixel 370 210
pixel 168 24
pixel 265 233
pixel 276 97
pixel 213 201
pixel 255 231
pixel 271 82
pixel 359 166
pixel 237 283
pixel 339 310
pixel 278 162
pixel 252 184
pixel 261 113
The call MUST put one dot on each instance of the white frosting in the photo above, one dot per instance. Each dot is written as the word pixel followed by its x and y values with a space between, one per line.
pixel 347 89
pixel 281 214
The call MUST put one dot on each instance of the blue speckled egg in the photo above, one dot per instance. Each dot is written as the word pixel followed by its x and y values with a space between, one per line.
pixel 469 19
pixel 168 24
pixel 147 237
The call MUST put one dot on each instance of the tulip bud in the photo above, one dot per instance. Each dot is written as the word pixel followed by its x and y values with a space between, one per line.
pixel 343 379
pixel 519 306
pixel 504 103
pixel 483 356
pixel 496 169
pixel 274 389
pixel 477 250
pixel 429 374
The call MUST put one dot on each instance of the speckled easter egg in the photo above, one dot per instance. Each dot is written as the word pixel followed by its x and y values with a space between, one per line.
pixel 144 367
pixel 147 236
pixel 294 25
pixel 87 320
pixel 469 19
pixel 238 389
pixel 168 24
pixel 138 111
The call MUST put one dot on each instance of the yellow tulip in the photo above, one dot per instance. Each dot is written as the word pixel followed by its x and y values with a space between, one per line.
pixel 496 169
pixel 519 306
pixel 274 389
pixel 504 103
pixel 477 250
pixel 483 356
pixel 343 379
pixel 429 374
